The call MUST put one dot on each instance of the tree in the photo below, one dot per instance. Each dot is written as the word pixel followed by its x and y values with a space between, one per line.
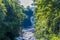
pixel 2 11
pixel 2 16
pixel 47 15
pixel 11 18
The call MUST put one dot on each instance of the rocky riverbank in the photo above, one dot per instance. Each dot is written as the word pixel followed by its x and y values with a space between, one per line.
pixel 28 34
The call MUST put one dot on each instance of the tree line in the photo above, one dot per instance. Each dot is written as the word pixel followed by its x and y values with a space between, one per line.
pixel 47 16
pixel 11 17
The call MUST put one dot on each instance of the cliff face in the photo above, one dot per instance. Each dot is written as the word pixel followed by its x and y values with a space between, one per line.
pixel 28 34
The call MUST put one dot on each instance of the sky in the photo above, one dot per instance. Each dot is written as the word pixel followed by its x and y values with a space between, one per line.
pixel 26 3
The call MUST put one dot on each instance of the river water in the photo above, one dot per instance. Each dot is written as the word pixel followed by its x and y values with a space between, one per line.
pixel 28 26
pixel 28 34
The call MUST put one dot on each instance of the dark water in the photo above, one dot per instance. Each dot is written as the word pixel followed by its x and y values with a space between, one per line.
pixel 28 26
pixel 27 22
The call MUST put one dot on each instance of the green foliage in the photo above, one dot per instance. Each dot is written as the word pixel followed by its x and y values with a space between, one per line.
pixel 2 10
pixel 11 17
pixel 47 16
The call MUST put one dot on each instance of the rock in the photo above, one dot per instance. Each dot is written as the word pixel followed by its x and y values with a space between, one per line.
pixel 19 38
pixel 28 34
pixel 29 30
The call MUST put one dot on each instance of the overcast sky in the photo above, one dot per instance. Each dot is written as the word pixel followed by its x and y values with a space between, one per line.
pixel 26 3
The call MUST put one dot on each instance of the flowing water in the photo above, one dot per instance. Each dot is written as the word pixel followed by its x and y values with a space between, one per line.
pixel 28 26
pixel 28 34
pixel 28 30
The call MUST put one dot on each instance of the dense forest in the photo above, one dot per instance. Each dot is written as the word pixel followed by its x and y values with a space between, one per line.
pixel 14 17
pixel 11 16
pixel 47 19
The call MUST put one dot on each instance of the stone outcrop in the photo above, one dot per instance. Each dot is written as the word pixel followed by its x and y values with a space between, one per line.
pixel 28 34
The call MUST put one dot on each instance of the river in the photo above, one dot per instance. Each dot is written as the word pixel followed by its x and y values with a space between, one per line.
pixel 28 26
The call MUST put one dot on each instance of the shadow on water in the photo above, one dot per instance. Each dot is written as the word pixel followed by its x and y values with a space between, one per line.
pixel 27 22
